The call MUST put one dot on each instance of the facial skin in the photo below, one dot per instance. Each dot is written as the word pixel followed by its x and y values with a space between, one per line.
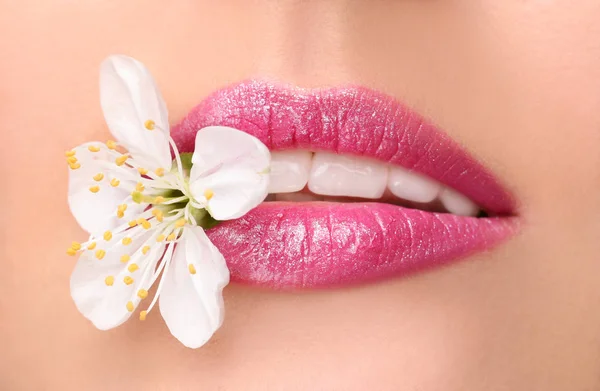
pixel 516 82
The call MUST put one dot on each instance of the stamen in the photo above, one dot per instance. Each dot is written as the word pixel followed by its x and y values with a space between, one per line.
pixel 132 223
pixel 139 187
pixel 95 189
pixel 143 315
pixel 70 153
pixel 107 236
pixel 142 171
pixel 149 124
pixel 114 182
pixel 158 200
pixel 128 280
pixel 129 306
pixel 160 171
pixel 145 250
pixel 109 281
pixel 76 246
pixel 72 160
pixel 100 254
pixel 98 177
pixel 208 193
pixel 160 238
pixel 144 223
pixel 74 166
pixel 91 246
pixel 71 251
pixel 94 148
pixel 121 160
pixel 180 223
pixel 137 197
pixel 158 214
pixel 192 269
pixel 126 241
pixel 121 210
pixel 171 237
pixel 125 258
pixel 133 267
pixel 111 144
pixel 142 294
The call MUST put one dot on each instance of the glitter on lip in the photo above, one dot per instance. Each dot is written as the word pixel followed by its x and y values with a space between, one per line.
pixel 294 245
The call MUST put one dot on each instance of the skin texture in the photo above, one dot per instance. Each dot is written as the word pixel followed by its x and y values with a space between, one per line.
pixel 516 82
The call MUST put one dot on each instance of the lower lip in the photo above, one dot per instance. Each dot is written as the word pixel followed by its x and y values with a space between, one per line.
pixel 310 245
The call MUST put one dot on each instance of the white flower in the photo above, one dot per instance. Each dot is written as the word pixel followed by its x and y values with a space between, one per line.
pixel 145 213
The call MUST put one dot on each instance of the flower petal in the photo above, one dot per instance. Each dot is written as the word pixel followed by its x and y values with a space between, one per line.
pixel 97 212
pixel 231 167
pixel 129 98
pixel 102 301
pixel 192 304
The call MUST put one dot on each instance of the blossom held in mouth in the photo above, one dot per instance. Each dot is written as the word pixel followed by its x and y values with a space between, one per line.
pixel 145 207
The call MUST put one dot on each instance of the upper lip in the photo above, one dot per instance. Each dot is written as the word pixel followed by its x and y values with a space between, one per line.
pixel 279 246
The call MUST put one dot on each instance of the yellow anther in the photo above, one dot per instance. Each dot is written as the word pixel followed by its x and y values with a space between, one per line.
pixel 137 197
pixel 158 200
pixel 160 171
pixel 126 241
pixel 160 238
pixel 111 144
pixel 114 182
pixel 94 148
pixel 180 223
pixel 91 246
pixel 192 269
pixel 125 258
pixel 128 280
pixel 158 214
pixel 171 237
pixel 70 153
pixel 100 254
pixel 143 315
pixel 145 250
pixel 74 166
pixel 139 187
pixel 95 189
pixel 109 281
pixel 121 160
pixel 146 224
pixel 76 246
pixel 208 193
pixel 107 236
pixel 133 267
pixel 142 294
pixel 142 171
pixel 71 251
pixel 120 214
pixel 72 160
pixel 129 306
pixel 149 124
pixel 121 210
pixel 98 177
pixel 132 223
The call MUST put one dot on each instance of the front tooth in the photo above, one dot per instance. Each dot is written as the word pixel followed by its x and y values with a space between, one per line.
pixel 458 204
pixel 338 175
pixel 289 171
pixel 411 186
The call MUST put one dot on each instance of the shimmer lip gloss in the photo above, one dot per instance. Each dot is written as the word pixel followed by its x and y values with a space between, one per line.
pixel 291 245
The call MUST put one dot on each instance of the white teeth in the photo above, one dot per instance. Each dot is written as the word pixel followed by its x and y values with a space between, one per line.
pixel 411 186
pixel 339 175
pixel 458 204
pixel 330 175
pixel 289 171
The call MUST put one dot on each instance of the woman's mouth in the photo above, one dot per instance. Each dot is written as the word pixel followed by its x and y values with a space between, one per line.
pixel 362 188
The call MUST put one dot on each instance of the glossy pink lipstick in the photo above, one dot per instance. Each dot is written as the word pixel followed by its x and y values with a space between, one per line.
pixel 296 245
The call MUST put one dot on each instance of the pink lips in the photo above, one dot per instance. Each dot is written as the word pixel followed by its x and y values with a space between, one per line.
pixel 296 245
